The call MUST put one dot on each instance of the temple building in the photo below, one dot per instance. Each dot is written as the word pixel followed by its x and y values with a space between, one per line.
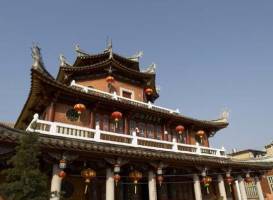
pixel 103 137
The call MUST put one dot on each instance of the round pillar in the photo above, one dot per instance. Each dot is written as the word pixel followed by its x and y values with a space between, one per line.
pixel 221 186
pixel 110 184
pixel 56 183
pixel 152 185
pixel 197 187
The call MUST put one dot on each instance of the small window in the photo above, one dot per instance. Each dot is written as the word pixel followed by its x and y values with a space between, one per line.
pixel 127 94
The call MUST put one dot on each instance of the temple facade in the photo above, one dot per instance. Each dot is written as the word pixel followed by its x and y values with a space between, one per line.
pixel 103 137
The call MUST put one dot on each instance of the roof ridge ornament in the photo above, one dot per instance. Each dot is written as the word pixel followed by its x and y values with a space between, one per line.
pixel 225 115
pixel 63 61
pixel 110 48
pixel 136 56
pixel 80 52
pixel 150 69
pixel 36 56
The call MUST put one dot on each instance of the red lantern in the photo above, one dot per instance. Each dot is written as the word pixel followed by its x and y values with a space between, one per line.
pixel 88 174
pixel 206 181
pixel 79 107
pixel 180 129
pixel 62 174
pixel 135 176
pixel 148 91
pixel 110 79
pixel 200 134
pixel 160 179
pixel 116 178
pixel 229 181
pixel 116 116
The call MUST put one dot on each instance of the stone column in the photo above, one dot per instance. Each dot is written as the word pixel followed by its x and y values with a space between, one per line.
pixel 259 188
pixel 152 185
pixel 238 190
pixel 56 183
pixel 221 186
pixel 110 184
pixel 242 188
pixel 197 187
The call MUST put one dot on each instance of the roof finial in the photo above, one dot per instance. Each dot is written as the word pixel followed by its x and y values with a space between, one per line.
pixel 110 48
pixel 63 61
pixel 36 56
pixel 136 56
pixel 150 69
pixel 225 115
pixel 80 52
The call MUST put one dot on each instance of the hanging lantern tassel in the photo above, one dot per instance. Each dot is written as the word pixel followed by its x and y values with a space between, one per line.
pixel 135 182
pixel 135 176
pixel 86 189
pixel 207 186
pixel 116 179
pixel 88 174
pixel 160 179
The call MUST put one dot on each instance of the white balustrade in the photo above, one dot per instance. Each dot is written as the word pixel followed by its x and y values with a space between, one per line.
pixel 100 136
pixel 120 98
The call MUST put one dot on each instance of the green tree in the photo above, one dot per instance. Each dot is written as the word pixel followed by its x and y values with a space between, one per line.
pixel 24 180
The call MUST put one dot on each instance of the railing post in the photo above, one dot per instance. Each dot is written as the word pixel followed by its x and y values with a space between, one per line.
pixel 34 120
pixel 198 148
pixel 53 128
pixel 115 96
pixel 224 151
pixel 134 140
pixel 72 83
pixel 150 105
pixel 175 148
pixel 97 133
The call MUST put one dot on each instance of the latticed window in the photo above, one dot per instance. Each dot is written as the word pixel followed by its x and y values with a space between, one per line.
pixel 251 190
pixel 270 182
pixel 158 132
pixel 150 131
pixel 105 125
pixel 132 126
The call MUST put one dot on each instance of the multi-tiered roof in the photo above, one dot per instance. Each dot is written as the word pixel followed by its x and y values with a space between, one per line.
pixel 45 88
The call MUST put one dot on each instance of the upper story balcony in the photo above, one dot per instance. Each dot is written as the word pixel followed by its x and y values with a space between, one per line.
pixel 116 97
pixel 96 135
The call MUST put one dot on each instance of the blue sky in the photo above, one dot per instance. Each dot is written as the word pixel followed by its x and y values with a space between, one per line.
pixel 211 54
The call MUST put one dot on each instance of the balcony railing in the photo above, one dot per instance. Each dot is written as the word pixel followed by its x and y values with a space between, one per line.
pixel 120 98
pixel 100 136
